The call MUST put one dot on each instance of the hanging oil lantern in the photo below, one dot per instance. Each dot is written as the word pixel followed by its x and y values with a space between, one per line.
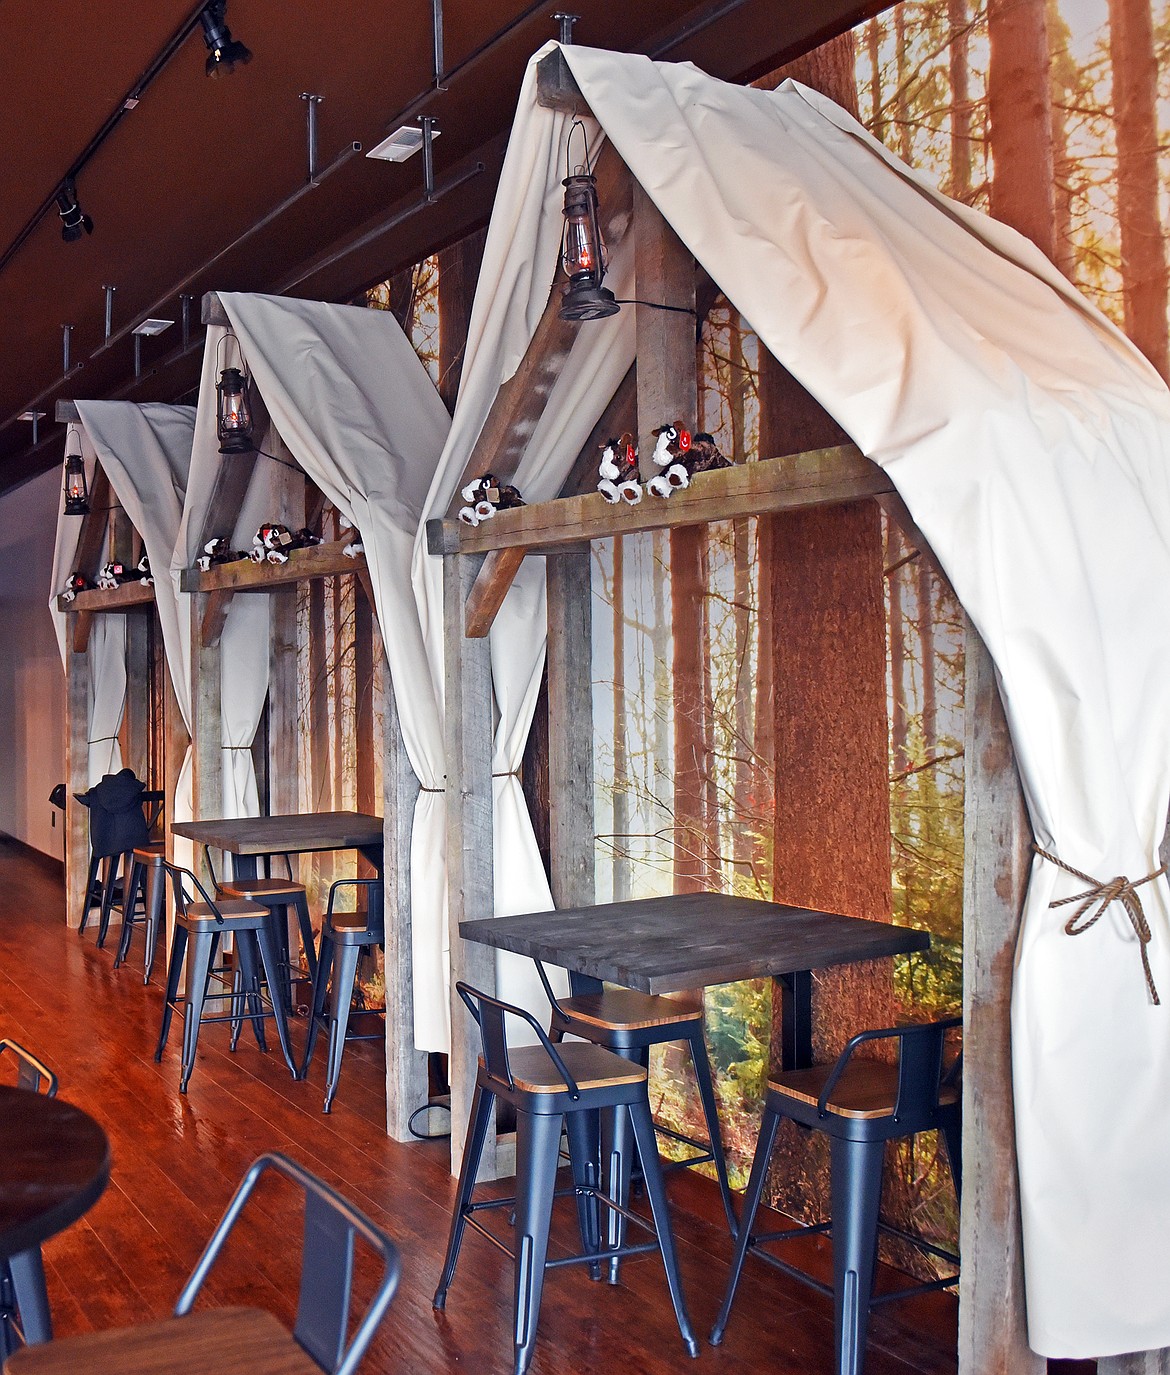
pixel 583 254
pixel 76 490
pixel 233 409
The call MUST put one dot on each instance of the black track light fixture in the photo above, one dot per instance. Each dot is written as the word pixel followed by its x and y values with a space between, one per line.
pixel 223 51
pixel 74 220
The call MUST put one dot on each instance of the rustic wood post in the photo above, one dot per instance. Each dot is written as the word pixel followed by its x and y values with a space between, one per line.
pixel 570 742
pixel 206 724
pixel 992 1330
pixel 175 742
pixel 76 774
pixel 406 1067
pixel 470 868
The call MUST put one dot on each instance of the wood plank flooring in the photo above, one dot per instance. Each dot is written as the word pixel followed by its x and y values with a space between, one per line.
pixel 176 1161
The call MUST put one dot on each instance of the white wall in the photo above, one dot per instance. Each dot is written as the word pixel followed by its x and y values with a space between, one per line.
pixel 32 682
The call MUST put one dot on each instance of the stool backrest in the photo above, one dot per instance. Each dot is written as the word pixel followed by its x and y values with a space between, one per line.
pixel 489 1014
pixel 31 1073
pixel 331 1227
pixel 920 1060
pixel 375 902
pixel 185 886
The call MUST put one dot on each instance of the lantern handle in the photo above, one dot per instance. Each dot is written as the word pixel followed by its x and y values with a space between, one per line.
pixel 220 355
pixel 578 123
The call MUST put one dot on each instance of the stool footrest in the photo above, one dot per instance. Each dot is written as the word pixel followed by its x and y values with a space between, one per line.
pixel 581 1258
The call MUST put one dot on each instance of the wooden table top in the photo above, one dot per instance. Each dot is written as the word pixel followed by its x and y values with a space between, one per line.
pixel 692 940
pixel 273 835
pixel 229 1341
pixel 54 1165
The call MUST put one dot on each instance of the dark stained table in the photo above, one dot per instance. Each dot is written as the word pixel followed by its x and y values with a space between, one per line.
pixel 54 1165
pixel 692 940
pixel 246 837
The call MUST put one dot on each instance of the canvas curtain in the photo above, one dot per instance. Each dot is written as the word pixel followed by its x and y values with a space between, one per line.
pixel 1030 441
pixel 107 642
pixel 354 404
pixel 244 644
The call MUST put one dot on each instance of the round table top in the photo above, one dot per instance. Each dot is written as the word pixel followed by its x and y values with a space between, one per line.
pixel 54 1165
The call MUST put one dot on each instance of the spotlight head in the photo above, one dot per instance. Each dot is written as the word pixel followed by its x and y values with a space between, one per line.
pixel 74 220
pixel 223 51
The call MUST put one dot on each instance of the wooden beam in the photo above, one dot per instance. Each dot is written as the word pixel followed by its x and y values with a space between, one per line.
pixel 244 575
pixel 92 543
pixel 211 311
pixel 619 416
pixel 82 627
pixel 521 400
pixel 206 725
pixel 215 609
pixel 406 1067
pixel 232 479
pixel 66 413
pixel 470 870
pixel 823 477
pixel 996 861
pixel 664 272
pixel 489 590
pixel 136 717
pixel 130 596
pixel 570 740
pixel 556 86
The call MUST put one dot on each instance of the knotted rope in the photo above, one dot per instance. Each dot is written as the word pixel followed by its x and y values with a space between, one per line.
pixel 1100 895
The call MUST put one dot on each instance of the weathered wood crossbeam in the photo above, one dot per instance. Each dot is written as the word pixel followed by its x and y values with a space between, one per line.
pixel 66 412
pixel 321 561
pixel 520 402
pixel 818 478
pixel 130 596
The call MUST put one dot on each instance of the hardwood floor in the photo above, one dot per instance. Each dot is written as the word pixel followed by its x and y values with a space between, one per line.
pixel 176 1161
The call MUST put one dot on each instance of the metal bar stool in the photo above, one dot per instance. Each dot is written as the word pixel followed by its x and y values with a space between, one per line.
pixel 344 937
pixel 201 924
pixel 629 1023
pixel 24 1301
pixel 278 895
pixel 207 1341
pixel 860 1105
pixel 570 1084
pixel 147 881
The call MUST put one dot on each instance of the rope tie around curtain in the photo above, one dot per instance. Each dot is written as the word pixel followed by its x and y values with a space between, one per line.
pixel 1099 895
pixel 100 739
pixel 511 773
pixel 248 748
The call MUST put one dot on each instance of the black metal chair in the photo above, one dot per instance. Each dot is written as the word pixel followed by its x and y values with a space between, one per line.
pixel 860 1105
pixel 24 1301
pixel 197 1343
pixel 280 896
pixel 629 1023
pixel 345 936
pixel 147 881
pixel 200 925
pixel 550 1086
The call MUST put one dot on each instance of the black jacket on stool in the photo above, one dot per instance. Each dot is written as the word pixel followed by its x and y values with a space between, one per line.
pixel 117 823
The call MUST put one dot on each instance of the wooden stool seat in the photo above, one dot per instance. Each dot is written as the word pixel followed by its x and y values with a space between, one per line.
pixel 866 1089
pixel 199 913
pixel 153 853
pixel 591 1066
pixel 221 1341
pixel 629 1010
pixel 270 887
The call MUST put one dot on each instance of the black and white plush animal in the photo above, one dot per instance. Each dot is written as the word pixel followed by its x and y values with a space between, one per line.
pixel 114 574
pixel 484 497
pixel 78 582
pixel 274 543
pixel 618 470
pixel 144 569
pixel 681 456
pixel 216 551
pixel 355 546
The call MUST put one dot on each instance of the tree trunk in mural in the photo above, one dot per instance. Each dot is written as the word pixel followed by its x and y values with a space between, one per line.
pixel 958 30
pixel 691 765
pixel 458 274
pixel 1143 255
pixel 1020 113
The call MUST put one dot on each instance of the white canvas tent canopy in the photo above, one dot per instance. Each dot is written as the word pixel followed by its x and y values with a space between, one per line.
pixel 1030 442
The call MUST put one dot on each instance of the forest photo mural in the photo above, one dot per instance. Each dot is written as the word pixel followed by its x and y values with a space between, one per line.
pixel 735 736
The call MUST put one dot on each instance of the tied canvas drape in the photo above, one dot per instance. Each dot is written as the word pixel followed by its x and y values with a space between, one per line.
pixel 1031 443
pixel 107 641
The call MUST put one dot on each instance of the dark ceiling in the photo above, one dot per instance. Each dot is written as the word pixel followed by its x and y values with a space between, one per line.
pixel 183 189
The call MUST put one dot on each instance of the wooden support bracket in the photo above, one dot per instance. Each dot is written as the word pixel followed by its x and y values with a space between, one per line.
pixel 66 413
pixel 212 311
pixel 81 631
pixel 489 590
pixel 215 615
pixel 556 86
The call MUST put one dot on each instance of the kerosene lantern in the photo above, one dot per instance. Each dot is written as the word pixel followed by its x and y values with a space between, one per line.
pixel 233 420
pixel 583 254
pixel 76 491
